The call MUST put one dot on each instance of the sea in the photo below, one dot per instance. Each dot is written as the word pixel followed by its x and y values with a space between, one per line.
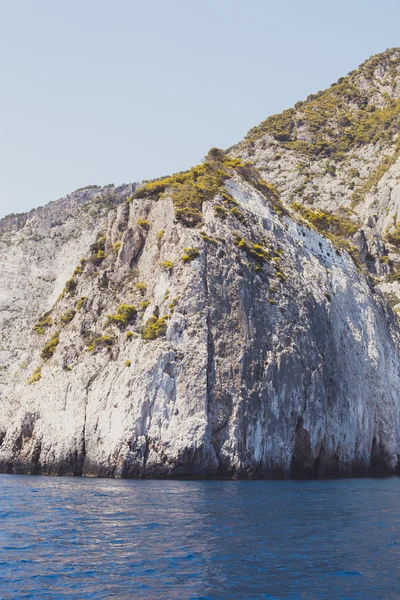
pixel 87 538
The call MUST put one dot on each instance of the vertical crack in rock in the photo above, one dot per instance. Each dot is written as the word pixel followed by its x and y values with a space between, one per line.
pixel 302 462
pixel 80 455
pixel 210 374
pixel 210 343
pixel 146 455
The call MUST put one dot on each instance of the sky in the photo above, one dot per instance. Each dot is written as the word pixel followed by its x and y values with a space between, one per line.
pixel 99 92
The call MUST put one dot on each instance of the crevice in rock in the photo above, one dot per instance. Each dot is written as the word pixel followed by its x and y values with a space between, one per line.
pixel 379 460
pixel 210 343
pixel 146 456
pixel 302 463
pixel 210 361
pixel 317 463
pixel 80 455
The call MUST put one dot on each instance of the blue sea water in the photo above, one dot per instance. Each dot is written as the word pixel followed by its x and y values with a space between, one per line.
pixel 95 538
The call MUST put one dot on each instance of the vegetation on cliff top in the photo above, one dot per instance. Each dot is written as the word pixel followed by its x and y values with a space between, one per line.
pixel 191 188
pixel 338 228
pixel 340 118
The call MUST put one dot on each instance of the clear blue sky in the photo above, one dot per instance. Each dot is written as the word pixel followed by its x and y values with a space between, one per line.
pixel 101 91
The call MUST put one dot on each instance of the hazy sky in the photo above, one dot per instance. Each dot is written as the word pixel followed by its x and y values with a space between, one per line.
pixel 115 91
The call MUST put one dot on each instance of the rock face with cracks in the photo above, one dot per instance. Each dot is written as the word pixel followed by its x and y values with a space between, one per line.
pixel 201 326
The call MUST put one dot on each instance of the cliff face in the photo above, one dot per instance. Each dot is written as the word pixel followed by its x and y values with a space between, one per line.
pixel 202 326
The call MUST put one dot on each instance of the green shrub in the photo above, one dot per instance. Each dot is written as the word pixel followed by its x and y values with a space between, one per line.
pixel 43 323
pixel 99 244
pixel 50 347
pixel 189 216
pixel 259 253
pixel 105 341
pixel 124 315
pixel 254 251
pixel 67 317
pixel 116 247
pixel 235 212
pixel 228 198
pixel 330 169
pixel 70 286
pixel 393 237
pixel 220 211
pixel 216 154
pixel 160 234
pixel 36 375
pixel 87 187
pixel 100 256
pixel 144 305
pixel 97 250
pixel 80 303
pixel 129 335
pixel 172 305
pixel 392 277
pixel 385 259
pixel 392 298
pixel 154 327
pixel 190 254
pixel 167 265
pixel 128 363
pixel 152 188
pixel 144 224
pixel 142 287
pixel 78 271
pixel 207 238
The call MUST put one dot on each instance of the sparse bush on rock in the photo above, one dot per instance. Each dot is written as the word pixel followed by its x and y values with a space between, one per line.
pixel 154 327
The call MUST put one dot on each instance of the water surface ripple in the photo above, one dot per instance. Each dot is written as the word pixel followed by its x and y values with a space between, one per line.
pixel 95 538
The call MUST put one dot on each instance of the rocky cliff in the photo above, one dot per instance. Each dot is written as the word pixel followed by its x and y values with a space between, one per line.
pixel 230 321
